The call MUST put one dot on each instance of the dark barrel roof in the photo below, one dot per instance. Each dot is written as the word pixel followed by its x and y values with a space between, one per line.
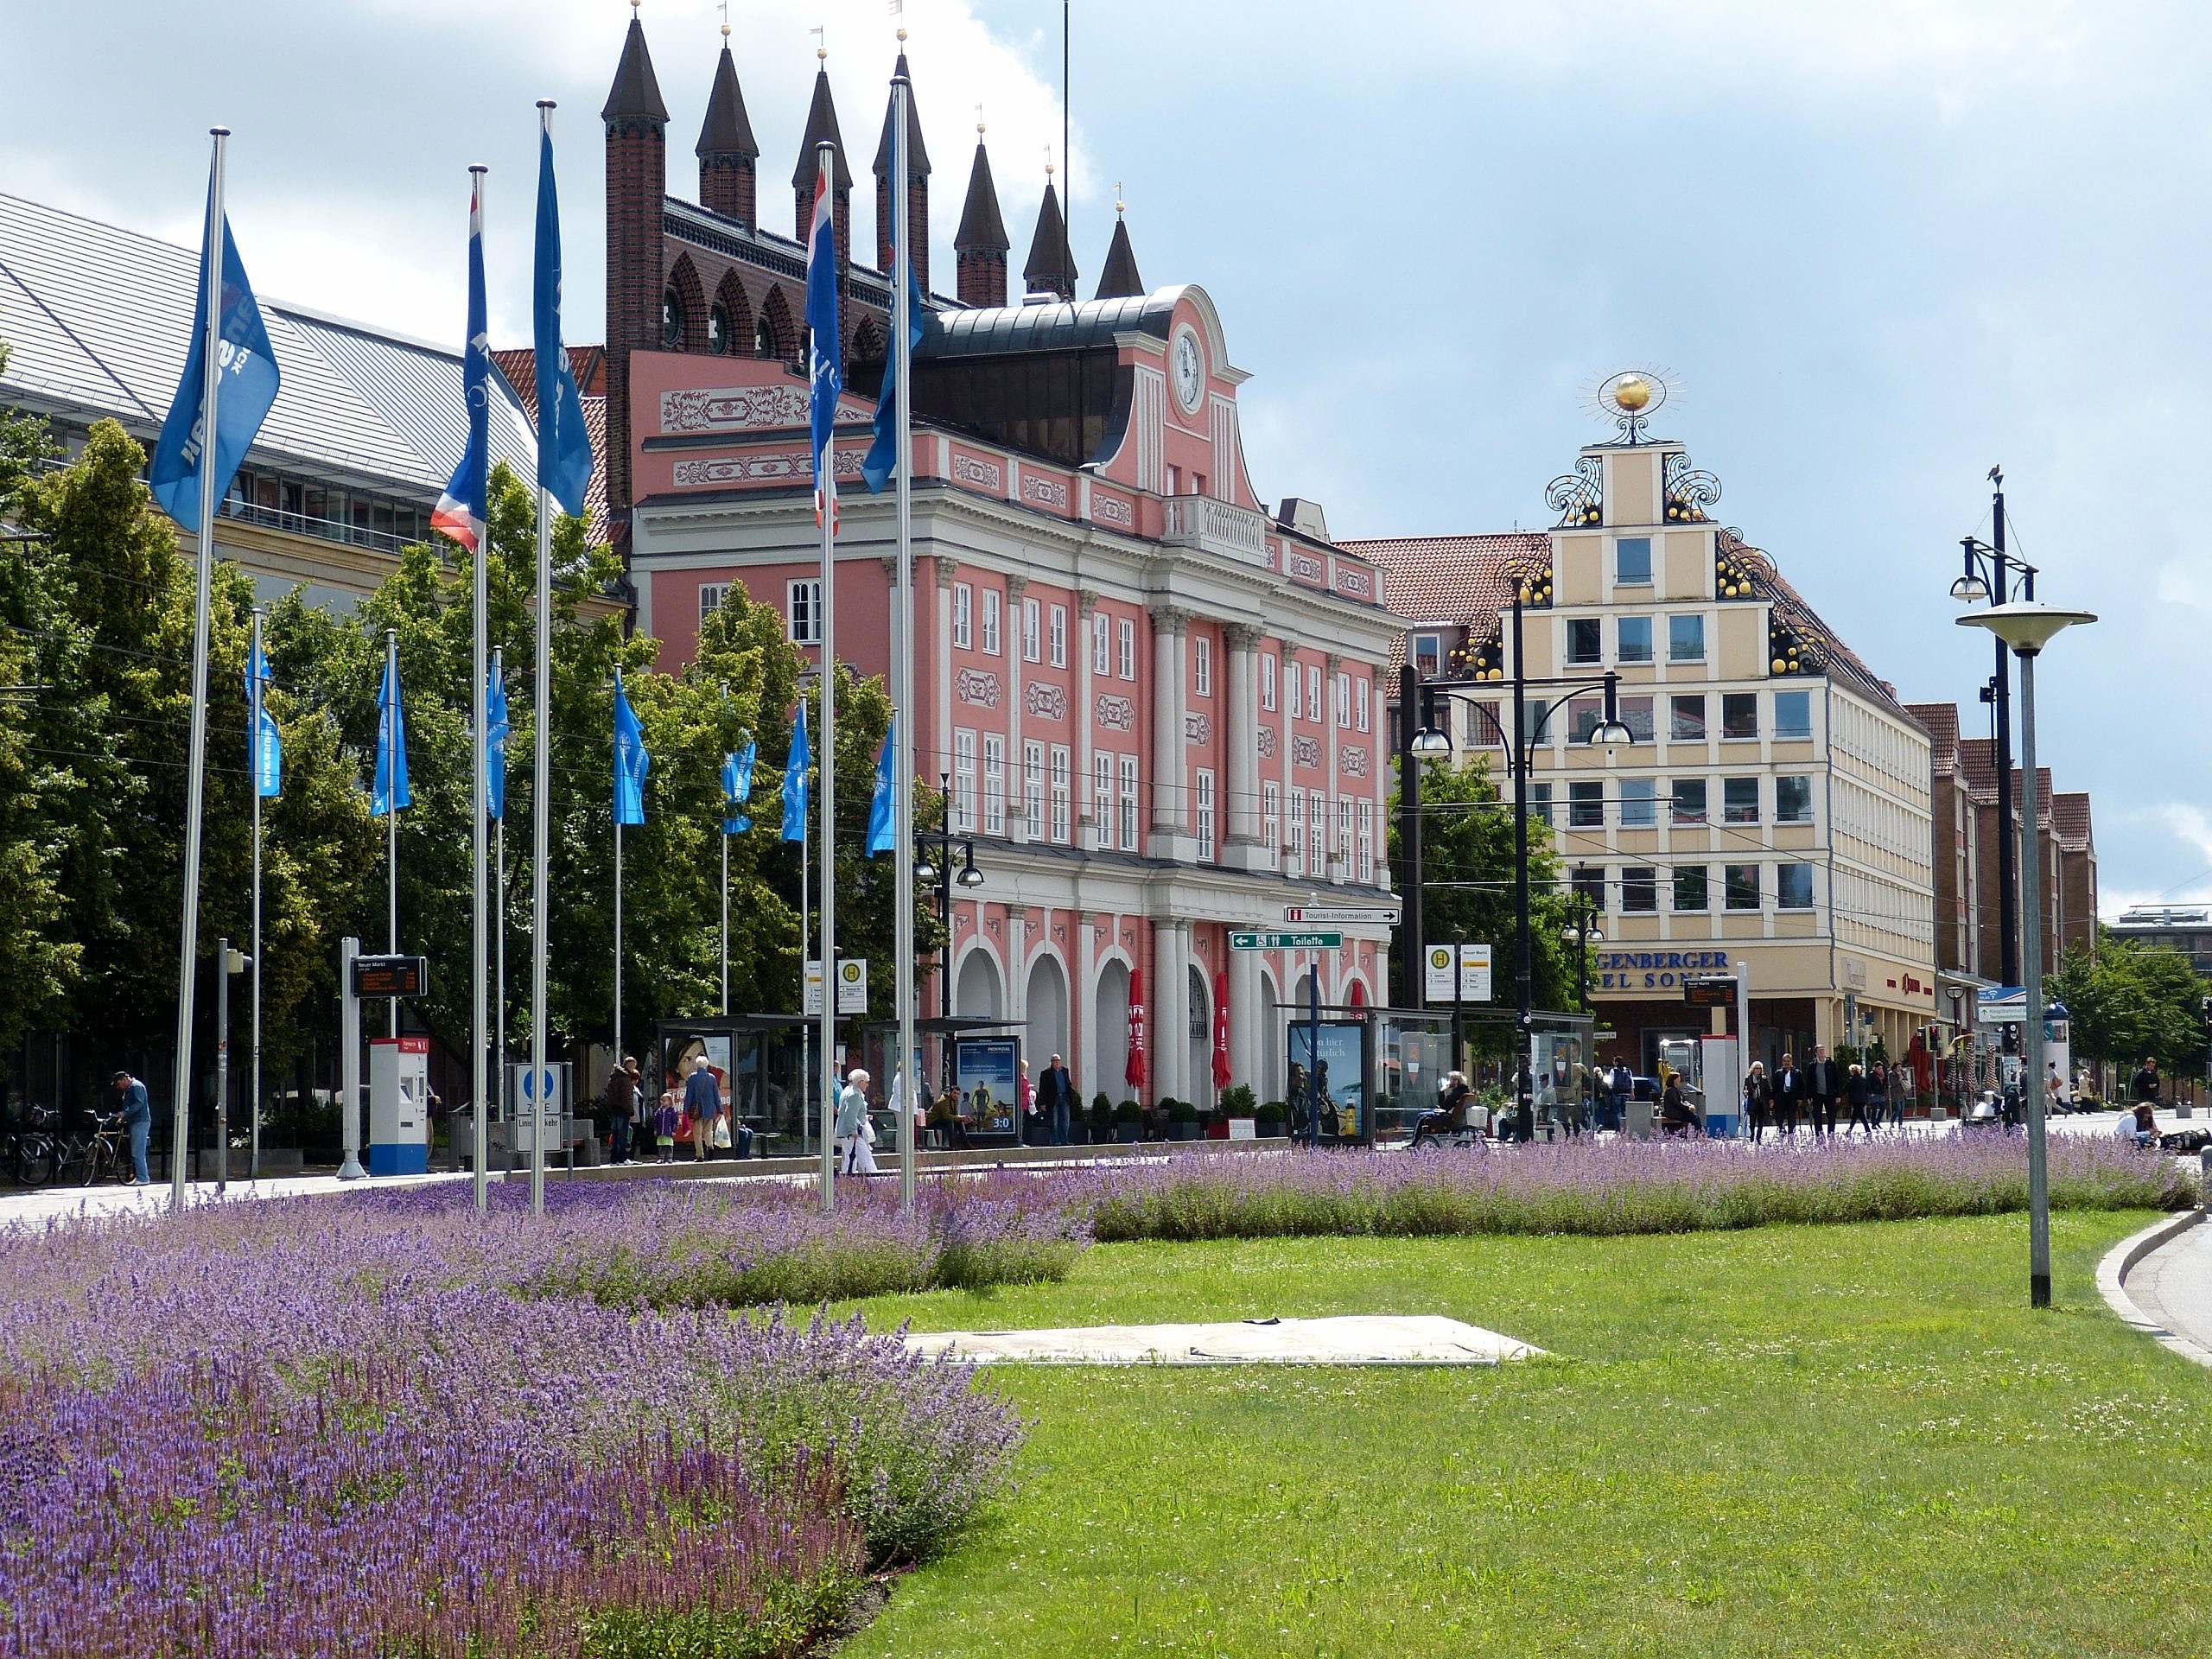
pixel 1066 326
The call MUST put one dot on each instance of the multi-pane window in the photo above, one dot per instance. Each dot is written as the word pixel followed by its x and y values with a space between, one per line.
pixel 1583 716
pixel 1636 714
pixel 1586 806
pixel 1063 787
pixel 1690 884
pixel 1202 666
pixel 1128 803
pixel 1740 883
pixel 804 599
pixel 995 783
pixel 992 601
pixel 1428 655
pixel 1032 632
pixel 1317 827
pixel 1540 802
pixel 1203 795
pixel 1482 724
pixel 1685 720
pixel 1685 639
pixel 1032 790
pixel 1366 871
pixel 1101 645
pixel 1793 714
pixel 1295 846
pixel 1793 800
pixel 963 781
pixel 1059 636
pixel 1793 884
pixel 1739 800
pixel 1268 681
pixel 1290 683
pixel 1271 817
pixel 1126 634
pixel 1537 720
pixel 1633 634
pixel 1589 882
pixel 1586 640
pixel 1639 803
pixel 1343 828
pixel 1344 701
pixel 1632 561
pixel 1639 888
pixel 1740 714
pixel 1360 687
pixel 1102 797
pixel 711 594
pixel 963 615
pixel 1690 800
pixel 1313 692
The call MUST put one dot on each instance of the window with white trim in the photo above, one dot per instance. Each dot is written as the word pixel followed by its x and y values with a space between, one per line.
pixel 1317 830
pixel 1032 632
pixel 995 783
pixel 1059 636
pixel 1363 715
pixel 1344 701
pixel 1343 828
pixel 1268 681
pixel 1365 873
pixel 711 595
pixel 1290 699
pixel 963 781
pixel 1313 693
pixel 1102 644
pixel 1203 794
pixel 1032 790
pixel 993 600
pixel 1128 803
pixel 803 608
pixel 1202 666
pixel 1271 818
pixel 1126 632
pixel 1295 846
pixel 1063 788
pixel 964 613
pixel 1101 796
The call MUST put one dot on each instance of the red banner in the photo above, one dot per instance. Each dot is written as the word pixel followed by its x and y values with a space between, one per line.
pixel 1221 1031
pixel 1133 1073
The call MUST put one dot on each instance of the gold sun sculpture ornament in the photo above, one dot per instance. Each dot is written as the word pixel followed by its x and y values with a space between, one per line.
pixel 1631 398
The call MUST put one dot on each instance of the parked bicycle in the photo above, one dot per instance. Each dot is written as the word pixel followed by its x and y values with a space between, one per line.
pixel 33 1150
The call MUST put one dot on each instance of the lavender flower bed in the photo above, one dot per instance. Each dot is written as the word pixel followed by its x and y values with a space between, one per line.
pixel 1619 1186
pixel 381 1425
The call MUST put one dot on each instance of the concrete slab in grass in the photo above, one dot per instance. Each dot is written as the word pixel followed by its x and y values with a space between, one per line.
pixel 1362 1339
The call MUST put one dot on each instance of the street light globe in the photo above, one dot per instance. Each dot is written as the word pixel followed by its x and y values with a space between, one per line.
pixel 2027 627
pixel 1969 590
pixel 970 876
pixel 1610 734
pixel 926 872
pixel 1430 741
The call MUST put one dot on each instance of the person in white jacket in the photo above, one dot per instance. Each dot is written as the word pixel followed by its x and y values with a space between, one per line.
pixel 855 1138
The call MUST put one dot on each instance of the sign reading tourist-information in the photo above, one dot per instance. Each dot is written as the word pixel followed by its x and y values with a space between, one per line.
pixel 1285 941
pixel 1340 915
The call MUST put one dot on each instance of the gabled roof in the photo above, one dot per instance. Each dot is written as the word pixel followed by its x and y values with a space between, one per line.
pixel 2070 812
pixel 821 124
pixel 635 95
pixel 727 132
pixel 981 230
pixel 1460 580
pixel 1119 278
pixel 918 154
pixel 1941 722
pixel 1796 613
pixel 1051 269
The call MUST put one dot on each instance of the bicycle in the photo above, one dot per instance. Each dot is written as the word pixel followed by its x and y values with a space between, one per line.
pixel 107 1155
pixel 34 1153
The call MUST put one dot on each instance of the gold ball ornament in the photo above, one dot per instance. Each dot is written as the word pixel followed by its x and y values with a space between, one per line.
pixel 1632 392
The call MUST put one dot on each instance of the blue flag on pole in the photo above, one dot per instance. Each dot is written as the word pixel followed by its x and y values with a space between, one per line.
pixel 882 458
pixel 879 808
pixel 495 746
pixel 249 386
pixel 460 511
pixel 737 789
pixel 795 780
pixel 266 752
pixel 390 793
pixel 825 366
pixel 631 763
pixel 563 446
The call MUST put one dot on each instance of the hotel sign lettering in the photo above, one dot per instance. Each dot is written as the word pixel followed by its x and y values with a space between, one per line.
pixel 1655 970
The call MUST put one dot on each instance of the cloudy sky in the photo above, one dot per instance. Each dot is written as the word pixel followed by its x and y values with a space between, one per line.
pixel 1881 244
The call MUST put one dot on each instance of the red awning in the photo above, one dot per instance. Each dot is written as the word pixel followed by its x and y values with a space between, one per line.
pixel 1221 1031
pixel 1133 1073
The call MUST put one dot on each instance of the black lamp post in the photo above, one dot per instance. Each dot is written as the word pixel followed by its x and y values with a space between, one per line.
pixel 1608 735
pixel 935 851
pixel 1582 919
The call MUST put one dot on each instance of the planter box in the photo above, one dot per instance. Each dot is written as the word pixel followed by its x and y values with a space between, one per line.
pixel 1128 1134
pixel 1266 1128
pixel 1242 1128
pixel 1184 1131
pixel 1218 1131
pixel 1079 1134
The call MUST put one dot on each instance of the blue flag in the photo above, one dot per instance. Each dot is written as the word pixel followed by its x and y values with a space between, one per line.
pixel 563 446
pixel 882 457
pixel 737 789
pixel 879 808
pixel 495 746
pixel 460 511
pixel 266 756
pixel 825 365
pixel 390 792
pixel 246 387
pixel 631 763
pixel 795 780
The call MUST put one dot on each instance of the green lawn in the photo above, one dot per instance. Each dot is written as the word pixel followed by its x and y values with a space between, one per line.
pixel 1786 1442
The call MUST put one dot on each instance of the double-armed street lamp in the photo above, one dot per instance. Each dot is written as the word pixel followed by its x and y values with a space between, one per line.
pixel 935 855
pixel 1429 742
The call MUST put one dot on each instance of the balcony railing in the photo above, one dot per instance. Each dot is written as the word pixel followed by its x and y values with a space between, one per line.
pixel 1220 527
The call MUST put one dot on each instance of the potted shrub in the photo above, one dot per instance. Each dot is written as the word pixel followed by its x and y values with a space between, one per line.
pixel 1237 1105
pixel 1128 1121
pixel 1182 1121
pixel 1102 1119
pixel 1267 1119
pixel 1078 1125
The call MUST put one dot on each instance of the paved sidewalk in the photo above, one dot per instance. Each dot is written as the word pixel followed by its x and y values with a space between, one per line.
pixel 2173 1286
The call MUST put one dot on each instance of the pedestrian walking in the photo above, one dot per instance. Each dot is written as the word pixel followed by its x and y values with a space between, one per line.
pixel 138 1119
pixel 1788 1094
pixel 1758 1100
pixel 666 1118
pixel 622 1107
pixel 2145 1085
pixel 1620 1087
pixel 703 1104
pixel 1856 1091
pixel 1825 1082
pixel 1025 1106
pixel 855 1136
pixel 1055 1099
pixel 1879 1102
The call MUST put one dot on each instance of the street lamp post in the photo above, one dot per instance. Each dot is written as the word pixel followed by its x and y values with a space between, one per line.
pixel 1608 735
pixel 1582 918
pixel 934 853
pixel 2026 628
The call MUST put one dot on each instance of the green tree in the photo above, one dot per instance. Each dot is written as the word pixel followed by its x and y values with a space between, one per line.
pixel 2130 999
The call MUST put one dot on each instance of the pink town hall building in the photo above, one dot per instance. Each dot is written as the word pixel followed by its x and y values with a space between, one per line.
pixel 1157 703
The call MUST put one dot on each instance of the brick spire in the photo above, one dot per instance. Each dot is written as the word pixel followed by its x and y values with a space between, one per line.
pixel 1051 269
pixel 637 183
pixel 980 245
pixel 729 182
pixel 821 124
pixel 918 184
pixel 635 95
pixel 1119 281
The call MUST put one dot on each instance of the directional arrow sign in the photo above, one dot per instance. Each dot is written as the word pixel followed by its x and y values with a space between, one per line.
pixel 1285 941
pixel 1340 915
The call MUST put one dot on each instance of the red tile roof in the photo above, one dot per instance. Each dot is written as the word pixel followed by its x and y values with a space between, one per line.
pixel 520 366
pixel 1459 580
pixel 1941 719
pixel 2071 812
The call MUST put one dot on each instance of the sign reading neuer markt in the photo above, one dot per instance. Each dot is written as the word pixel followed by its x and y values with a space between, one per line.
pixel 1655 970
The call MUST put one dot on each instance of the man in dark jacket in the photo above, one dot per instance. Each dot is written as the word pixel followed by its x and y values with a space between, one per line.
pixel 1789 1091
pixel 622 1106
pixel 1824 1081
pixel 1055 1094
pixel 2146 1083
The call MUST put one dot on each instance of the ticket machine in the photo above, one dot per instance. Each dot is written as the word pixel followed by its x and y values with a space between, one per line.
pixel 399 1105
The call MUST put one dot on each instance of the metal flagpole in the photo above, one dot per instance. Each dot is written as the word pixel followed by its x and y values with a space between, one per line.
pixel 726 890
pixel 392 814
pixel 211 280
pixel 499 953
pixel 806 935
pixel 902 694
pixel 253 1155
pixel 541 818
pixel 827 749
pixel 480 796
pixel 618 932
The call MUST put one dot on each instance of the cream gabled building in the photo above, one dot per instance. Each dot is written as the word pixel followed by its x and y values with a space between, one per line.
pixel 1775 806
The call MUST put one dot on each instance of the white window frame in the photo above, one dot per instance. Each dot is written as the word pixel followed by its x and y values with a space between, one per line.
pixel 1032 790
pixel 1295 841
pixel 1202 795
pixel 802 610
pixel 995 783
pixel 993 607
pixel 1313 693
pixel 1271 818
pixel 1102 644
pixel 1202 666
pixel 1129 767
pixel 1344 827
pixel 711 595
pixel 963 781
pixel 1102 797
pixel 1059 636
pixel 1366 840
pixel 1317 811
pixel 1344 701
pixel 1268 681
pixel 1126 647
pixel 1062 790
pixel 1033 633
pixel 963 614
pixel 1364 716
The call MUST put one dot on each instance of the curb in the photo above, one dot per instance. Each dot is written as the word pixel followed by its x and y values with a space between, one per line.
pixel 2120 1260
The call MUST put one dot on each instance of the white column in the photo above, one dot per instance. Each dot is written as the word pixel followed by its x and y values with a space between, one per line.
pixel 1341 855
pixel 1245 1020
pixel 1241 743
pixel 1017 973
pixel 1010 639
pixel 1084 1020
pixel 1083 717
pixel 941 762
pixel 1287 727
pixel 1170 1009
pixel 1169 822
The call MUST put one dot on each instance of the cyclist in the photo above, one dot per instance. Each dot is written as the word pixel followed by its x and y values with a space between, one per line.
pixel 138 1118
